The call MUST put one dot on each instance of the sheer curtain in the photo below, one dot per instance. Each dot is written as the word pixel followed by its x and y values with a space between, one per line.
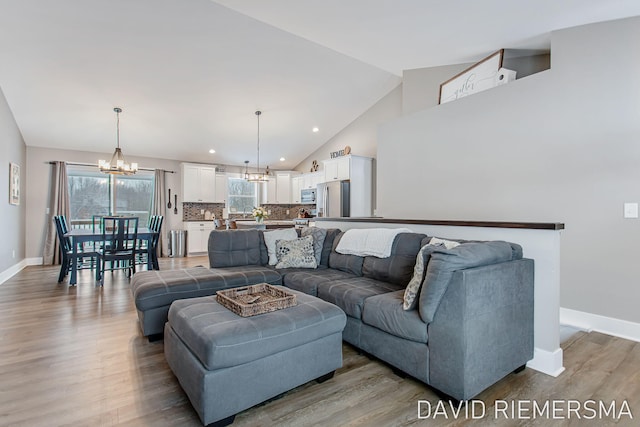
pixel 159 191
pixel 58 205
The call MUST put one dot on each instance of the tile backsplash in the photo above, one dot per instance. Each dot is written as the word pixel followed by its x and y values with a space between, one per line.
pixel 193 211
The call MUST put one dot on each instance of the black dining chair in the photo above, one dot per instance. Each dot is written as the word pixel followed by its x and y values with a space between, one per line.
pixel 118 246
pixel 66 250
pixel 155 225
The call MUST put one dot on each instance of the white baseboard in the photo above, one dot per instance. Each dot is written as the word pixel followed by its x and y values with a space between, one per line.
pixel 547 362
pixel 16 268
pixel 594 322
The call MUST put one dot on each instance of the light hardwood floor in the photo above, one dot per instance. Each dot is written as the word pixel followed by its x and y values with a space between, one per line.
pixel 75 356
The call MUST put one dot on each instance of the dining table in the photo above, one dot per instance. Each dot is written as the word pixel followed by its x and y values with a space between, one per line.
pixel 80 236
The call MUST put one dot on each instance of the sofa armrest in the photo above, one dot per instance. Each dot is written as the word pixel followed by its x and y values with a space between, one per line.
pixel 483 328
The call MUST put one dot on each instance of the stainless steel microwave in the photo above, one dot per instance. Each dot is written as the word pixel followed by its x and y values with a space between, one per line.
pixel 308 196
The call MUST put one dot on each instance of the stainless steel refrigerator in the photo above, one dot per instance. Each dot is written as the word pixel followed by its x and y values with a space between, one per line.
pixel 333 199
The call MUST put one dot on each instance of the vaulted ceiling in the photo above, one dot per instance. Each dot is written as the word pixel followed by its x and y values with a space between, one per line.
pixel 189 74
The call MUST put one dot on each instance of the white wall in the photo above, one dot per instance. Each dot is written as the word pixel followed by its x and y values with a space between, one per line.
pixel 421 87
pixel 12 217
pixel 361 135
pixel 559 146
pixel 37 189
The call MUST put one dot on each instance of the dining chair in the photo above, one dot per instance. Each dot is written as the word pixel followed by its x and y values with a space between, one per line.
pixel 118 246
pixel 66 250
pixel 96 223
pixel 155 225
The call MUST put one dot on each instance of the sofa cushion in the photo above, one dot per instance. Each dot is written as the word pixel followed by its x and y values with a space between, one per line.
pixel 152 289
pixel 270 238
pixel 327 247
pixel 229 248
pixel 318 234
pixel 385 313
pixel 398 267
pixel 296 253
pixel 444 262
pixel 349 263
pixel 349 294
pixel 307 281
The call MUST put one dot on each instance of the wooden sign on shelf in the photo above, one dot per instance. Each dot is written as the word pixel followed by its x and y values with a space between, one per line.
pixel 478 77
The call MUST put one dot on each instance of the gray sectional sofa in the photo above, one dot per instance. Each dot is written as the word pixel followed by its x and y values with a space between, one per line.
pixel 473 318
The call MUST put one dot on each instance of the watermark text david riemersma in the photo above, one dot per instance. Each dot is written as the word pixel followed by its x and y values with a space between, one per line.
pixel 522 409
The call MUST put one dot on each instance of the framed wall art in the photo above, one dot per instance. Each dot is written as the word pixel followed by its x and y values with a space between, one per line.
pixel 478 77
pixel 14 184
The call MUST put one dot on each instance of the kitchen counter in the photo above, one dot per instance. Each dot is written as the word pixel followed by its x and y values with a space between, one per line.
pixel 268 224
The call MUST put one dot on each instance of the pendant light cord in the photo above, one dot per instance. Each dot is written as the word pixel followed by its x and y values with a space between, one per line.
pixel 118 111
pixel 258 115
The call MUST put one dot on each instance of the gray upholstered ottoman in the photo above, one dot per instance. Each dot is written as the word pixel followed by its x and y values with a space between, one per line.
pixel 226 363
pixel 154 291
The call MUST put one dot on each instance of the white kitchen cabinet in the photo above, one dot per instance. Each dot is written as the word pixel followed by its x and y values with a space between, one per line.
pixel 283 188
pixel 359 171
pixel 198 236
pixel 337 169
pixel 296 185
pixel 198 183
pixel 222 187
pixel 312 179
pixel 269 195
pixel 278 189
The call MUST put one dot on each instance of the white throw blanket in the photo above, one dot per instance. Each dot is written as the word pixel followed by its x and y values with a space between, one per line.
pixel 369 241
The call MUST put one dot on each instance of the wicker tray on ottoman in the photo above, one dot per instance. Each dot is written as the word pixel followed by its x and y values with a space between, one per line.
pixel 255 299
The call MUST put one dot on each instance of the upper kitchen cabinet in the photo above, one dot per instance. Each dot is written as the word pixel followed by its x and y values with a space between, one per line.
pixel 347 167
pixel 296 185
pixel 312 179
pixel 198 183
pixel 359 171
pixel 222 187
pixel 278 189
pixel 269 192
pixel 283 187
pixel 341 168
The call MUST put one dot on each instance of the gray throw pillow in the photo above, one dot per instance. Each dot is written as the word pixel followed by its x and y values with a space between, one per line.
pixel 319 234
pixel 296 253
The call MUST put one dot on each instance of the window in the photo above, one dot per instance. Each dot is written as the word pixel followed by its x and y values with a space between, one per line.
pixel 92 193
pixel 242 196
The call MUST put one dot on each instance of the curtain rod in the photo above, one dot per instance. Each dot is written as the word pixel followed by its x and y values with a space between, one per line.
pixel 95 165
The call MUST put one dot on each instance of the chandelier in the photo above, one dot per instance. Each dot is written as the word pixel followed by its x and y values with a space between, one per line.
pixel 257 176
pixel 118 165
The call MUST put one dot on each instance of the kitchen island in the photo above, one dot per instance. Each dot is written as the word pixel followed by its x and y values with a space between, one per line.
pixel 267 224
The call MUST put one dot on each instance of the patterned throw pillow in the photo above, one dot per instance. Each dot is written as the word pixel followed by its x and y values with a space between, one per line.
pixel 412 289
pixel 270 238
pixel 419 270
pixel 319 234
pixel 449 244
pixel 296 253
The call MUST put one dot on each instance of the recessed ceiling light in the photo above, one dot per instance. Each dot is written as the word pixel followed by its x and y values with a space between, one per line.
pixel 315 129
pixel 212 151
pixel 282 159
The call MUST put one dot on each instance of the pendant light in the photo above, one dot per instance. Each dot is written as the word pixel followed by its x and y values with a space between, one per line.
pixel 258 176
pixel 118 165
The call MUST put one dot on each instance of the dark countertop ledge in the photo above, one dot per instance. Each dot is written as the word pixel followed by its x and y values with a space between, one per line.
pixel 456 223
